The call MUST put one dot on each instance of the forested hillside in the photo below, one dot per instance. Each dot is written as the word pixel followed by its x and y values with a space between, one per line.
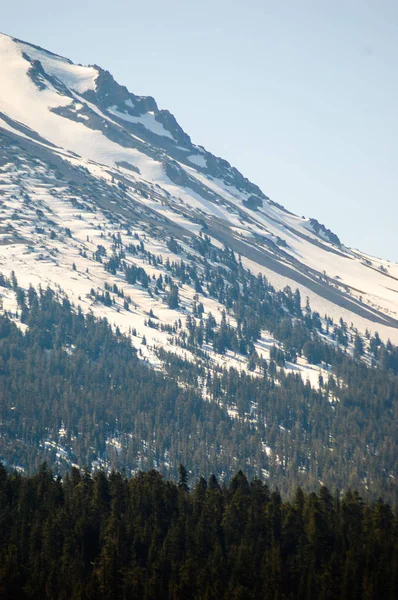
pixel 109 537
pixel 157 307
pixel 73 392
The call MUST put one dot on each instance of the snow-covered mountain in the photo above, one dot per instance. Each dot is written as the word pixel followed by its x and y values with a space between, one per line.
pixel 86 165
pixel 264 322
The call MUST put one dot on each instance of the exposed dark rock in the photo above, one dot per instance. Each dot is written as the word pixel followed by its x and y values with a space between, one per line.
pixel 110 93
pixel 25 130
pixel 180 177
pixel 42 79
pixel 128 166
pixel 220 168
pixel 322 231
pixel 253 202
pixel 175 173
pixel 169 122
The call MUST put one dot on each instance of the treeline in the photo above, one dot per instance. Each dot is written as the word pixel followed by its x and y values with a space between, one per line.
pixel 251 299
pixel 104 536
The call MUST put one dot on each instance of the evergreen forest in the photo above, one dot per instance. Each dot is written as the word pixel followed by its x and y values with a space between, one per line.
pixel 74 392
pixel 107 536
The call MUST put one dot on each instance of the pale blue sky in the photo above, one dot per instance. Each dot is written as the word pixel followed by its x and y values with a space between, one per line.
pixel 301 96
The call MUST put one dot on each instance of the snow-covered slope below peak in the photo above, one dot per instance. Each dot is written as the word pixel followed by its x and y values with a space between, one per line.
pixel 125 155
pixel 76 77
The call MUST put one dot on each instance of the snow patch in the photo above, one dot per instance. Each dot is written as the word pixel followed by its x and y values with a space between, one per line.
pixel 148 120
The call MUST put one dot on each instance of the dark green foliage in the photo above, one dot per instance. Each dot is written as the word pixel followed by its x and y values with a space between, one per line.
pixel 172 297
pixel 104 536
pixel 134 274
pixel 343 435
pixel 72 371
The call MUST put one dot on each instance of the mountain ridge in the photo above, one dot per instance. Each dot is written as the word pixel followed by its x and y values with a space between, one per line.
pixel 275 335
pixel 125 129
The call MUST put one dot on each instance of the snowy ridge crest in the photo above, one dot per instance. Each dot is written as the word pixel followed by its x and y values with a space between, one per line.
pixel 101 161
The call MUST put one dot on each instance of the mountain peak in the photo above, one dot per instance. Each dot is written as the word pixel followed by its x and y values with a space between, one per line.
pixel 122 242
pixel 81 116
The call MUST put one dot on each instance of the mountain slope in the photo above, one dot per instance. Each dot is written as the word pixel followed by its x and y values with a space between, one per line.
pixel 265 315
pixel 80 116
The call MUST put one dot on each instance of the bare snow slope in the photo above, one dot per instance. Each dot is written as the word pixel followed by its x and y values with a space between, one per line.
pixel 131 159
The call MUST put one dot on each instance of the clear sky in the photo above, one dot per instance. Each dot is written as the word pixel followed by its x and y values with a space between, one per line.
pixel 300 95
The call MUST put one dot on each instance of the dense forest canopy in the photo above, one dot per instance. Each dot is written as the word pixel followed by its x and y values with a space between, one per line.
pixel 105 536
